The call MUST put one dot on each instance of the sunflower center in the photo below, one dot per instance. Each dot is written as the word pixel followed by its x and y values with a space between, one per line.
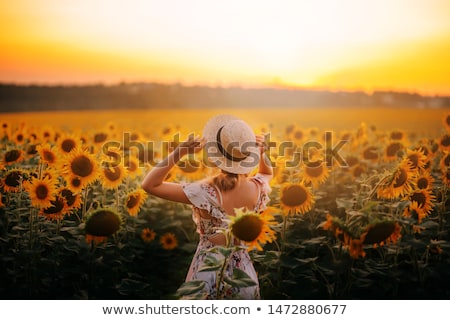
pixel 68 145
pixel 294 196
pixel 396 135
pixel 19 137
pixel 82 166
pixel 69 196
pixel 414 159
pixel 419 197
pixel 112 174
pixel 13 179
pixel 49 156
pixel 393 148
pixel 445 141
pixel 100 137
pixel 379 232
pixel 56 207
pixel 132 201
pixel 102 223
pixel 422 183
pixel 12 155
pixel 41 191
pixel 247 228
pixel 31 149
pixel 298 135
pixel 400 179
pixel 370 153
pixel 351 161
pixel 76 182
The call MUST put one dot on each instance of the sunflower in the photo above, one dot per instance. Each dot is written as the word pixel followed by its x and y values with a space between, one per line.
pixel 41 191
pixel 399 183
pixel 19 137
pixel 424 199
pixel 382 232
pixel 168 241
pixel 296 197
pixel 81 164
pixel 47 154
pixel 446 177
pixel 11 156
pixel 392 151
pixel 444 163
pixel 74 184
pixel 397 135
pixel 73 200
pixel 99 138
pixel 359 170
pixel 297 135
pixel 47 134
pixel 416 158
pixel 315 173
pixel 133 168
pixel 12 180
pixel 416 212
pixel 253 228
pixel 112 177
pixel 134 200
pixel 446 121
pixel 148 235
pixel 444 143
pixel 56 210
pixel 424 180
pixel 67 142
pixel 355 246
pixel 102 223
pixel 370 153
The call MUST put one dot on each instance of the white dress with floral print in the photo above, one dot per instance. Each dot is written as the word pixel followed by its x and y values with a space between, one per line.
pixel 207 197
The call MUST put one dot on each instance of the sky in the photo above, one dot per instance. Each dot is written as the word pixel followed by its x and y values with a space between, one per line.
pixel 351 45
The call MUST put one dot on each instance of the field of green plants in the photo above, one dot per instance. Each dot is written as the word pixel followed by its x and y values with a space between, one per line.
pixel 361 211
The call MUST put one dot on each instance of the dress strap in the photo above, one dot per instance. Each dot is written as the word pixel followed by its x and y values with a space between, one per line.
pixel 219 194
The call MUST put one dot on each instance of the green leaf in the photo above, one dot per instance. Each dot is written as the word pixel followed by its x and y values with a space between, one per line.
pixel 211 264
pixel 190 287
pixel 240 279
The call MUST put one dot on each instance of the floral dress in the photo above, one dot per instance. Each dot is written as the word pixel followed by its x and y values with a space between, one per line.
pixel 207 197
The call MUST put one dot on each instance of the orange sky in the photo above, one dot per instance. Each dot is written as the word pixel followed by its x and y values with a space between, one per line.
pixel 340 44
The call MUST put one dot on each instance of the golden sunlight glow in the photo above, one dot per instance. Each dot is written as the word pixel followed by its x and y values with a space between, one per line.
pixel 338 44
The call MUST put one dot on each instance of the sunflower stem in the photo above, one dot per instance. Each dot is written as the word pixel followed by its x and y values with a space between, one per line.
pixel 84 208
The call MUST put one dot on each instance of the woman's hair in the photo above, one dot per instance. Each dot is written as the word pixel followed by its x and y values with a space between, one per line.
pixel 225 181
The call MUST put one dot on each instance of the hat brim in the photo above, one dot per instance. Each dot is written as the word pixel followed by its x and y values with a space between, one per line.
pixel 216 158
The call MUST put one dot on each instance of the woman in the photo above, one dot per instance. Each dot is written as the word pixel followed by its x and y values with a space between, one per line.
pixel 230 145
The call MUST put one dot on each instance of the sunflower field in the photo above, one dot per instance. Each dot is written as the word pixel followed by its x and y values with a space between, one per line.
pixel 359 204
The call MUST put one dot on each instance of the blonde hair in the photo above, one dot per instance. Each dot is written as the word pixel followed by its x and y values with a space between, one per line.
pixel 225 181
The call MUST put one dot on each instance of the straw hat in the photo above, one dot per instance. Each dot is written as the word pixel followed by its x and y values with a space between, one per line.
pixel 231 144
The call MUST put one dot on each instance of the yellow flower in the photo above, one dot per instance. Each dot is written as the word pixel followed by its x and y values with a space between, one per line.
pixel 148 235
pixel 133 167
pixel 398 184
pixel 12 181
pixel 416 158
pixel 135 200
pixel 81 164
pixel 382 232
pixel 253 228
pixel 47 154
pixel 112 177
pixel 424 180
pixel 315 173
pixel 295 197
pixel 67 142
pixel 56 210
pixel 424 199
pixel 41 191
pixel 392 151
pixel 73 200
pixel 11 156
pixel 168 241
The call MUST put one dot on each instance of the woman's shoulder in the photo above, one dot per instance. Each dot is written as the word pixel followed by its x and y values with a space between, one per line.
pixel 261 178
pixel 201 194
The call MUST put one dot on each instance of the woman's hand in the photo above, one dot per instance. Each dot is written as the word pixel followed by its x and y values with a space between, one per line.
pixel 261 142
pixel 192 145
